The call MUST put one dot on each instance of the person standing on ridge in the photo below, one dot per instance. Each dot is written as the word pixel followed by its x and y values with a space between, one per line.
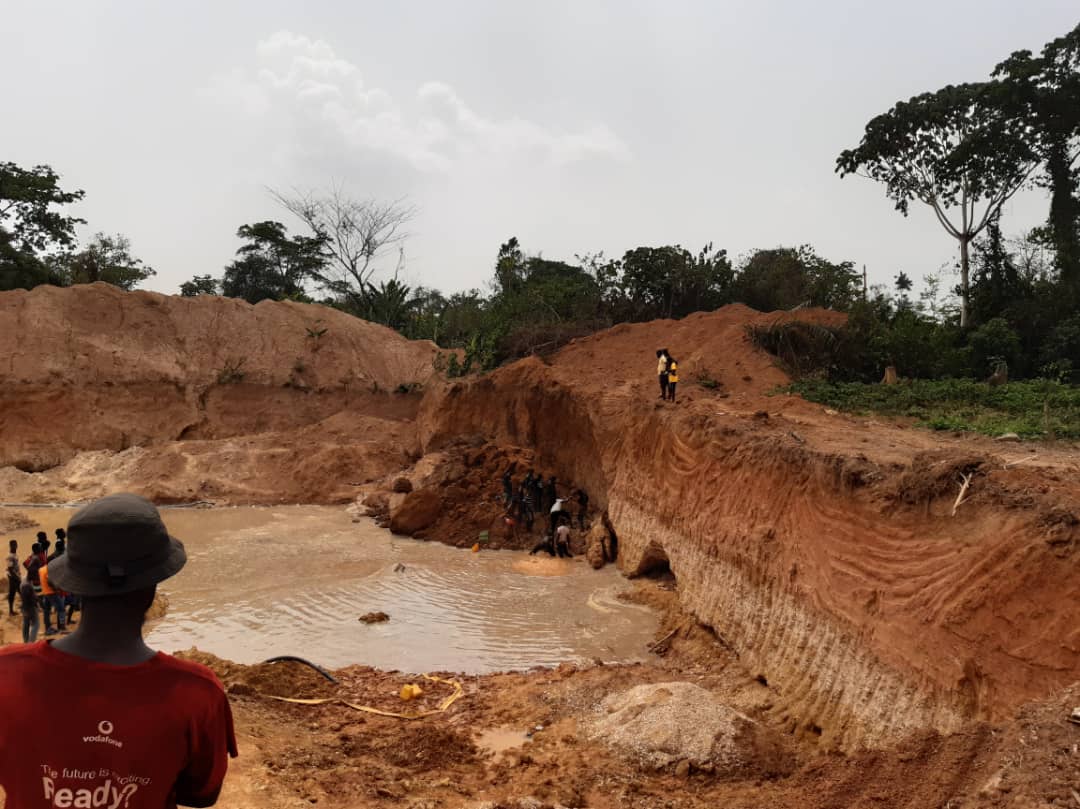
pixel 662 371
pixel 673 377
pixel 142 729
pixel 13 576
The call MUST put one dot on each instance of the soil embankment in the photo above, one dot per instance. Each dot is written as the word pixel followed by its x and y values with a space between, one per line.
pixel 822 548
pixel 199 398
pixel 827 583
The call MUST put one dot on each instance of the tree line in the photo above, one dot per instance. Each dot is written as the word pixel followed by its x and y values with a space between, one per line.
pixel 961 152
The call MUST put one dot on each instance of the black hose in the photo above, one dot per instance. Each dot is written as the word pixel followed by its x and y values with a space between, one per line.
pixel 291 659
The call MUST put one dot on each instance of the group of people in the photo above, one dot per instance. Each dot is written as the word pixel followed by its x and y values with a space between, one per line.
pixel 667 370
pixel 29 581
pixel 533 495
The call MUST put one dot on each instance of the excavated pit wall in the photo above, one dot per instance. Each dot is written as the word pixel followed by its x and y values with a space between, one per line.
pixel 774 548
pixel 829 682
pixel 93 367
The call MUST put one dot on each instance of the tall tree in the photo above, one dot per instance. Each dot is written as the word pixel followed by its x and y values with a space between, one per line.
pixel 954 150
pixel 200 285
pixel 355 235
pixel 1044 91
pixel 30 226
pixel 671 281
pixel 996 283
pixel 509 267
pixel 272 264
pixel 106 258
pixel 786 277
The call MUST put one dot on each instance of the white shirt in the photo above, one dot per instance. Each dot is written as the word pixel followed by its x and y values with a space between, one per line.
pixel 558 505
pixel 563 534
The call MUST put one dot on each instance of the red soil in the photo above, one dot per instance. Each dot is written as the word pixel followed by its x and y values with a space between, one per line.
pixel 823 582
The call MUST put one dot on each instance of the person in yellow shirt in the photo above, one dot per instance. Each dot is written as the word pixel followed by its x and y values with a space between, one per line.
pixel 672 377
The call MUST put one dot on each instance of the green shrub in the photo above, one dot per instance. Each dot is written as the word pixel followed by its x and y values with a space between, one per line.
pixel 992 343
pixel 1032 409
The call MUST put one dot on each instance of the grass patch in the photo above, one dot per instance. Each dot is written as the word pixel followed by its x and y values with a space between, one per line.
pixel 1034 409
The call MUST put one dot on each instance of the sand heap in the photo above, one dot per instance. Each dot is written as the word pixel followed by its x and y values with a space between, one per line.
pixel 200 398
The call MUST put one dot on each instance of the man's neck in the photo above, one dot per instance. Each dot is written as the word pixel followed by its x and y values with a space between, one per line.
pixel 103 636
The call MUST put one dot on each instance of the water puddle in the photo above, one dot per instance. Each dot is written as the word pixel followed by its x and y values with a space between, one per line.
pixel 295 580
pixel 499 740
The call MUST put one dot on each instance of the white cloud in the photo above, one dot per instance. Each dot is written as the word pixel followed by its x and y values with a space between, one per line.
pixel 305 83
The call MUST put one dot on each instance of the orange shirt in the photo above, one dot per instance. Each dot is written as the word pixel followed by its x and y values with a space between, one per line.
pixel 46 590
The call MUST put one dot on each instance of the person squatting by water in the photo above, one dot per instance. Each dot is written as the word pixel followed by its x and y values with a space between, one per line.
pixel 141 729
pixel 545 544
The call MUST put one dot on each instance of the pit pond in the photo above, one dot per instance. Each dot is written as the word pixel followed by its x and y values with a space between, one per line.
pixel 295 580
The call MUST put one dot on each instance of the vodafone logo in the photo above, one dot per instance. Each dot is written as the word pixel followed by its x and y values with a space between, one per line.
pixel 104 735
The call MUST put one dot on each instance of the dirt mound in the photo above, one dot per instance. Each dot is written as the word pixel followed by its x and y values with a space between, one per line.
pixel 936 474
pixel 12 520
pixel 663 724
pixel 94 368
pixel 417 510
pixel 284 679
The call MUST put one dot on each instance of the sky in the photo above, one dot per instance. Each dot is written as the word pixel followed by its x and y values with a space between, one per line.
pixel 595 125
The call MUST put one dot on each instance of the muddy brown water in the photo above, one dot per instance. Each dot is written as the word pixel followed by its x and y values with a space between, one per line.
pixel 294 580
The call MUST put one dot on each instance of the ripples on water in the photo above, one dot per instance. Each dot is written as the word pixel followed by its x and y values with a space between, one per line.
pixel 262 582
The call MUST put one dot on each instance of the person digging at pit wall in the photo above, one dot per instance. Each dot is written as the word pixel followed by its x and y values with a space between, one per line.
pixel 98 718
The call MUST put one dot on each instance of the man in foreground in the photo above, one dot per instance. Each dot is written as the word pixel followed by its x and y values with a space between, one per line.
pixel 134 728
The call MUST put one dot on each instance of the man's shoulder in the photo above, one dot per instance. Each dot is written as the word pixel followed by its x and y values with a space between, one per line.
pixel 16 653
pixel 20 662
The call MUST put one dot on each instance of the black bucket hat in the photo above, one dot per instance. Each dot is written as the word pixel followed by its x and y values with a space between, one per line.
pixel 116 545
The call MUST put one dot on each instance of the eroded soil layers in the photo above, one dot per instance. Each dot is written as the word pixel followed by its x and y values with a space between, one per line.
pixel 822 549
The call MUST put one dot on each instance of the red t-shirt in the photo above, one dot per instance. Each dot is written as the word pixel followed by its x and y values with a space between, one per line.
pixel 75 733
